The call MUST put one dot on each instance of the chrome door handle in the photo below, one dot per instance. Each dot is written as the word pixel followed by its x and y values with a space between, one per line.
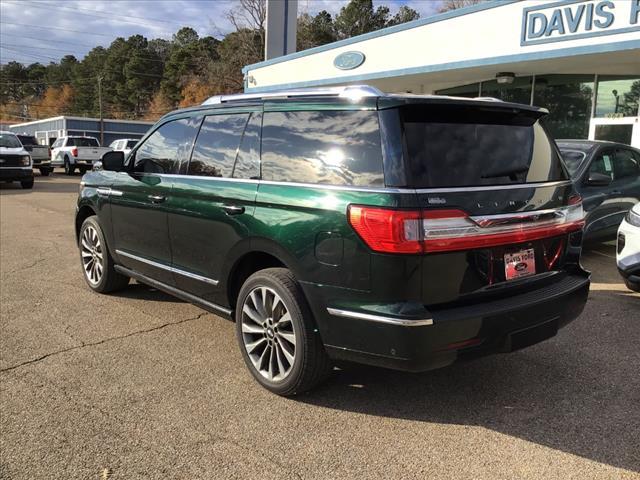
pixel 233 209
pixel 157 198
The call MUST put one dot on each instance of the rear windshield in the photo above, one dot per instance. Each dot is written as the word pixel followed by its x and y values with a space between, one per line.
pixel 82 142
pixel 27 140
pixel 131 143
pixel 458 146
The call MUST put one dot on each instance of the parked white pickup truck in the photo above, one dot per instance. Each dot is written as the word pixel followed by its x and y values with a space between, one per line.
pixel 76 152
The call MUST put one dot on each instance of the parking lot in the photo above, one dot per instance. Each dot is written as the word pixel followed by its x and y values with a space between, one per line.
pixel 142 385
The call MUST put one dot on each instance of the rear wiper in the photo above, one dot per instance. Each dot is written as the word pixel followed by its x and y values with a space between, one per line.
pixel 511 173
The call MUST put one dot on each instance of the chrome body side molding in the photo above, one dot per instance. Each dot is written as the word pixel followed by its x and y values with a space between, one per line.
pixel 168 268
pixel 403 322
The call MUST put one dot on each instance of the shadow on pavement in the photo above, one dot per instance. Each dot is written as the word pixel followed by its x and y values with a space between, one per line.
pixel 54 183
pixel 139 291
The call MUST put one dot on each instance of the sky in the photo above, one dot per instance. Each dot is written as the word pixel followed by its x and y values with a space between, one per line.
pixel 44 30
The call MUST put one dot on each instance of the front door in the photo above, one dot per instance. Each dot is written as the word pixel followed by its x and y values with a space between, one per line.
pixel 211 208
pixel 139 199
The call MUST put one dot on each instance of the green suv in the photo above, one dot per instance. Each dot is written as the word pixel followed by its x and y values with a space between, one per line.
pixel 345 224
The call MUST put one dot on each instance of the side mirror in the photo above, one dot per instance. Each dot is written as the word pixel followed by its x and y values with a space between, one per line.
pixel 113 161
pixel 598 179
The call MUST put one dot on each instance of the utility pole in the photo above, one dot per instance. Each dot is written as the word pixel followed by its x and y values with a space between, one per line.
pixel 100 109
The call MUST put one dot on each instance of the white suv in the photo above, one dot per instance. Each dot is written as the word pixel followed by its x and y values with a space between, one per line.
pixel 628 251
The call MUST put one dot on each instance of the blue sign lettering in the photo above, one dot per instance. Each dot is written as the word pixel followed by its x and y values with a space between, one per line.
pixel 573 19
pixel 600 11
pixel 533 32
pixel 635 12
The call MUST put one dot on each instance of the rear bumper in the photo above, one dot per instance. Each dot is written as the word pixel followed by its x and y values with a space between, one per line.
pixel 41 163
pixel 428 340
pixel 14 174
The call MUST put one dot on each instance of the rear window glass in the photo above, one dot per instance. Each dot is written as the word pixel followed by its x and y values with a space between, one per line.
pixel 82 142
pixel 132 143
pixel 324 147
pixel 27 140
pixel 459 147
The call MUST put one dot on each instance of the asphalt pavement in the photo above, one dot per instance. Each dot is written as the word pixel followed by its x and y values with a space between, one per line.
pixel 141 385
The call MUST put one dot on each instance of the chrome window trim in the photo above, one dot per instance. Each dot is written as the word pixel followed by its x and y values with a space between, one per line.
pixel 380 189
pixel 168 268
pixel 380 318
pixel 482 188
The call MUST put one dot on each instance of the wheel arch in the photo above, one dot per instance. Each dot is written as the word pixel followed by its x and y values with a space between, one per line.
pixel 84 212
pixel 256 255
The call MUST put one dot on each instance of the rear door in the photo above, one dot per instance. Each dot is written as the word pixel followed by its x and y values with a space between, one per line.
pixel 211 206
pixel 139 199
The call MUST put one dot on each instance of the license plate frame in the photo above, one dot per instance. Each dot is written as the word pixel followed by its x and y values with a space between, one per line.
pixel 519 263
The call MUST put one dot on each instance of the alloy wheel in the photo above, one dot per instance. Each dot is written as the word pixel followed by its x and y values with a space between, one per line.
pixel 268 334
pixel 92 255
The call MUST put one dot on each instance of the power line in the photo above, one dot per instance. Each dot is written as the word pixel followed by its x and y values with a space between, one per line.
pixel 50 40
pixel 27 54
pixel 105 13
pixel 36 47
pixel 95 14
pixel 56 28
pixel 37 82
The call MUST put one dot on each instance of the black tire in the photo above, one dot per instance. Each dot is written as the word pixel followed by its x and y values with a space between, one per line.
pixel 110 280
pixel 27 184
pixel 311 364
pixel 68 168
pixel 45 172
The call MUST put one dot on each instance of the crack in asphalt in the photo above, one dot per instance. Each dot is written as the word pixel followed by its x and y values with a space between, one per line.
pixel 106 340
pixel 19 269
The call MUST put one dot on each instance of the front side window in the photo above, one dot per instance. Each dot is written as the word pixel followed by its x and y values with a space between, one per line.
pixel 625 164
pixel 214 153
pixel 603 163
pixel 323 147
pixel 165 148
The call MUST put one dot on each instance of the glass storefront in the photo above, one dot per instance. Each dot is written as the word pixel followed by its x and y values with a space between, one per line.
pixel 569 99
pixel 517 92
pixel 617 96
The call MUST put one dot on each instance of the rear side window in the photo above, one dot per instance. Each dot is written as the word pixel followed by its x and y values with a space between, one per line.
pixel 163 150
pixel 217 145
pixel 323 147
pixel 573 160
pixel 462 146
pixel 248 161
pixel 625 164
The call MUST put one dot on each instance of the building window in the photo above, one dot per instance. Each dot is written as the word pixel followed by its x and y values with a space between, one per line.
pixel 568 99
pixel 470 91
pixel 617 96
pixel 517 92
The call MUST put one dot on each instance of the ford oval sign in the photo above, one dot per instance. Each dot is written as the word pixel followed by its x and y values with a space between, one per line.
pixel 349 60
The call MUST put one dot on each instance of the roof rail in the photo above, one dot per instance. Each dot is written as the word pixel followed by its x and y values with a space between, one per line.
pixel 489 99
pixel 353 92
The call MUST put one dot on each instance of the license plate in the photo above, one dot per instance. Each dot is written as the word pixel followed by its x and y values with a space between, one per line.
pixel 519 264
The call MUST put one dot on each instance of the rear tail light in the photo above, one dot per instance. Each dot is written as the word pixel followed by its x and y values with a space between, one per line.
pixel 431 231
pixel 74 151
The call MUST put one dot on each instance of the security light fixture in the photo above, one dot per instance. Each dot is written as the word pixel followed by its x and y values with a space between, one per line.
pixel 505 77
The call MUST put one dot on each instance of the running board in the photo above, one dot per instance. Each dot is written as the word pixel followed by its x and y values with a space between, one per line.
pixel 187 297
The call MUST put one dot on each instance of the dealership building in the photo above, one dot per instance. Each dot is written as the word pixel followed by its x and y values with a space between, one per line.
pixel 48 129
pixel 580 59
